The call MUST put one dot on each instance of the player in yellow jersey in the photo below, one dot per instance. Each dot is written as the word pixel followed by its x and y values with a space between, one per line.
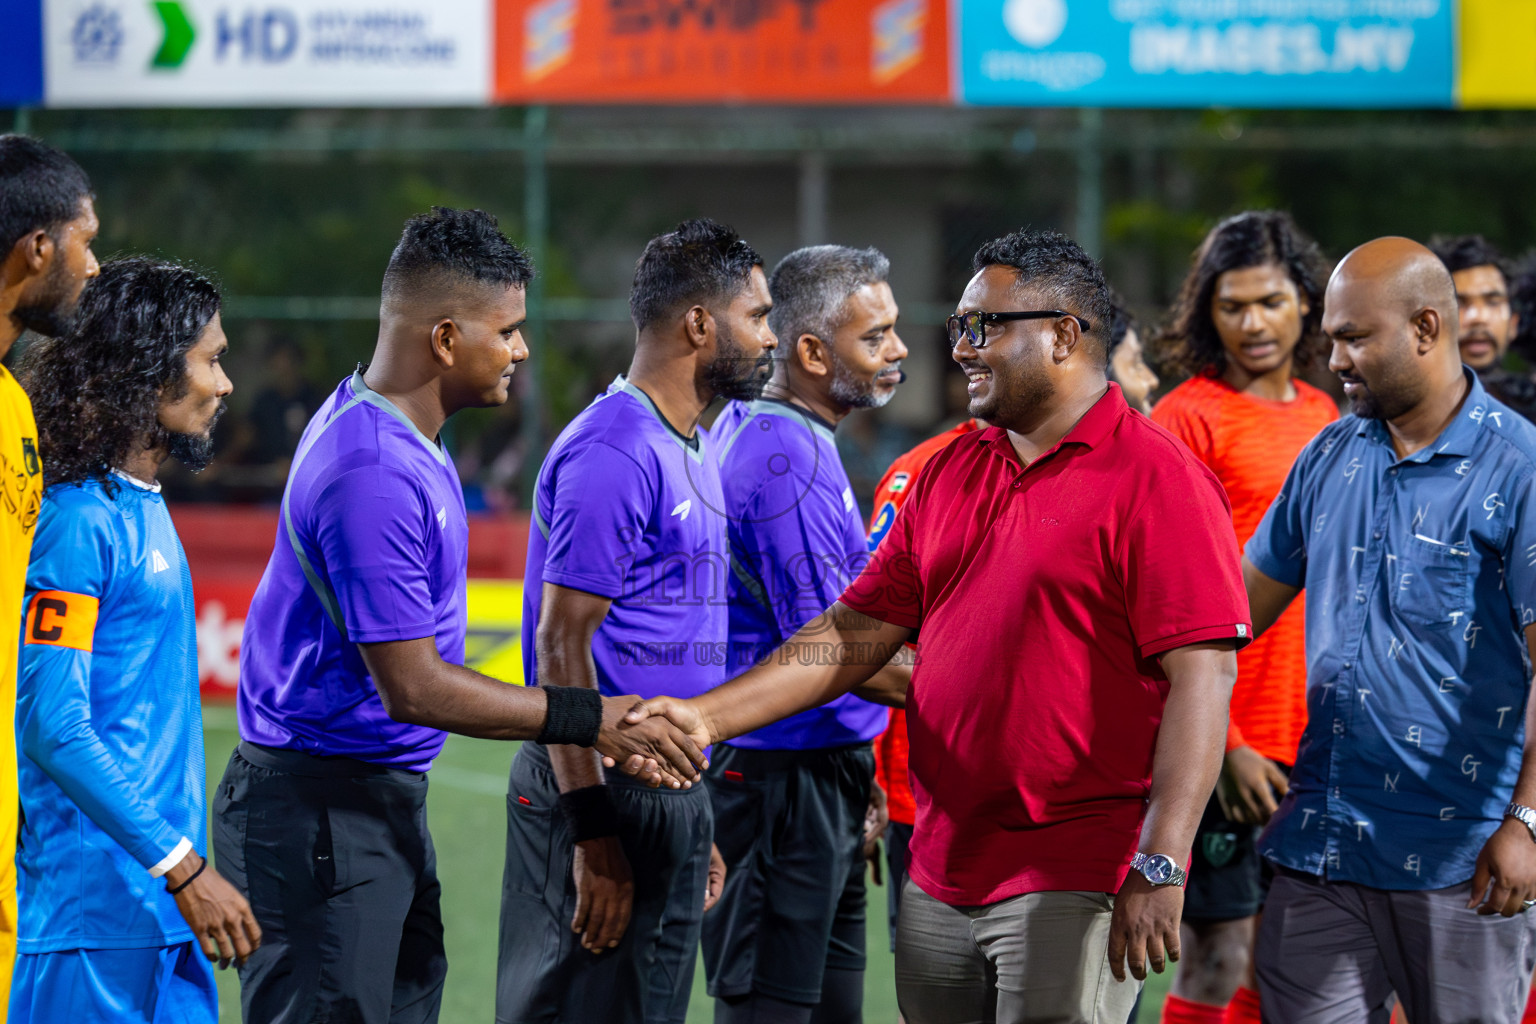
pixel 47 223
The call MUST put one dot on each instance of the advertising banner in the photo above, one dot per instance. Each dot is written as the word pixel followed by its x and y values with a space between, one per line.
pixel 710 51
pixel 21 53
pixel 204 53
pixel 1239 53
pixel 1497 39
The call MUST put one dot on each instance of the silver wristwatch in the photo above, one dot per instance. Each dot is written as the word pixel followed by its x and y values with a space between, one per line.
pixel 1159 869
pixel 1525 815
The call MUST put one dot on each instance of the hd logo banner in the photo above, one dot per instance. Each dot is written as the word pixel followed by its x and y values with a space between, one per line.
pixel 1241 53
pixel 710 51
pixel 201 53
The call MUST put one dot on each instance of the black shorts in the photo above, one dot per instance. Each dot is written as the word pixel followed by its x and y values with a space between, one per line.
pixel 542 973
pixel 898 837
pixel 790 825
pixel 335 858
pixel 1228 879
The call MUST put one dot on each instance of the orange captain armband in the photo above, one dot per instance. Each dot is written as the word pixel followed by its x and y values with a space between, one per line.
pixel 62 619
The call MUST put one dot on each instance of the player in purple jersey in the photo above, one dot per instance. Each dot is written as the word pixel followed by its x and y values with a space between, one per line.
pixel 786 943
pixel 351 666
pixel 625 593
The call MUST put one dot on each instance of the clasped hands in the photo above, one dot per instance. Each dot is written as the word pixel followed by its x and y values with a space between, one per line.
pixel 660 741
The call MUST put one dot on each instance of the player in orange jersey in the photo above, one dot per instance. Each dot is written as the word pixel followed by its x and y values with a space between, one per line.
pixel 1247 317
pixel 47 223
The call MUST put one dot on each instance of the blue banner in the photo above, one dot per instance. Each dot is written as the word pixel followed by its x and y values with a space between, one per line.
pixel 21 53
pixel 1197 53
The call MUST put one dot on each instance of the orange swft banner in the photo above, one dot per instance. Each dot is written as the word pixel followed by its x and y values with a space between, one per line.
pixel 688 51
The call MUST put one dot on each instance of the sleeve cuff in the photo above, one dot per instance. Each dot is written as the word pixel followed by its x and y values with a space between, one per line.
pixel 1292 573
pixel 1234 737
pixel 176 856
pixel 1242 632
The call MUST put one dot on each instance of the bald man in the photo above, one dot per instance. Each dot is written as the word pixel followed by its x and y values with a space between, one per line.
pixel 1406 847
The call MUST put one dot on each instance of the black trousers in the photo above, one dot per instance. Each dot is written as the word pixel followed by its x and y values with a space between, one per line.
pixel 790 825
pixel 335 858
pixel 543 975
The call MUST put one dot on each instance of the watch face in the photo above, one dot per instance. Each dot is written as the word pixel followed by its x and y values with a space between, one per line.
pixel 1158 869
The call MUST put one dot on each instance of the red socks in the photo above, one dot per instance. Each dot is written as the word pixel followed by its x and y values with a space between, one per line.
pixel 1186 1011
pixel 1244 1008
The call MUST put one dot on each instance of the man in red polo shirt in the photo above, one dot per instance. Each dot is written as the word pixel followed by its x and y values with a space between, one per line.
pixel 1072 578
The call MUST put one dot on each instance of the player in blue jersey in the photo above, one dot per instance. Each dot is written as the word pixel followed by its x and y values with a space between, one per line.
pixel 786 943
pixel 352 663
pixel 120 912
pixel 625 593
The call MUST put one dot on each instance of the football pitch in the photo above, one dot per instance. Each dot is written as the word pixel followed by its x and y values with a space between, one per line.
pixel 466 807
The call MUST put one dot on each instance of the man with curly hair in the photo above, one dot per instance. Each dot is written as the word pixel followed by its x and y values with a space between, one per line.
pixel 1246 319
pixel 47 222
pixel 112 784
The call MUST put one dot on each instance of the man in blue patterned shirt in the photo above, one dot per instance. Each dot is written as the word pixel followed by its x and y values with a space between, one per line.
pixel 1406 846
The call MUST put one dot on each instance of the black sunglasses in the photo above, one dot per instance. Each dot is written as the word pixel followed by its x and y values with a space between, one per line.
pixel 973 325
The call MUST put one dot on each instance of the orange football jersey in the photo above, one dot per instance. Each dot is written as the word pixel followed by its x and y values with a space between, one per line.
pixel 1250 444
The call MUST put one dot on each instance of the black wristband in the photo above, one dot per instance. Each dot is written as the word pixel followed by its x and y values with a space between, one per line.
pixel 574 715
pixel 590 813
pixel 190 878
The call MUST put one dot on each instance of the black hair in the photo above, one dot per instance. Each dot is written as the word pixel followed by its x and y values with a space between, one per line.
pixel 41 188
pixel 96 391
pixel 698 263
pixel 1254 238
pixel 1121 322
pixel 1463 252
pixel 1061 270
pixel 1522 299
pixel 449 246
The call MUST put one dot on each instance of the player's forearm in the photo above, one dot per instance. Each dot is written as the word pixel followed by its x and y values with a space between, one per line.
pixel 1190 744
pixel 821 662
pixel 417 686
pixel 565 659
pixel 1267 598
pixel 70 753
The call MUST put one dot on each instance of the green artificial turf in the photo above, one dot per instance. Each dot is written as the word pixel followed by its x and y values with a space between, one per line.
pixel 467 811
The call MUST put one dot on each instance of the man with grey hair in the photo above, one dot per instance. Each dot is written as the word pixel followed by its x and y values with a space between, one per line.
pixel 786 941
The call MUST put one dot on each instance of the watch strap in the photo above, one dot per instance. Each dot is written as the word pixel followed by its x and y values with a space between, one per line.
pixel 1525 815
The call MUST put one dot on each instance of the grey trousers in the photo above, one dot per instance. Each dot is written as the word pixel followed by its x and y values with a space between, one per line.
pixel 1039 957
pixel 1335 952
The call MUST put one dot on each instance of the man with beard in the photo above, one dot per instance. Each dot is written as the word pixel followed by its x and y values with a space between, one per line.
pixel 47 222
pixel 786 943
pixel 1071 575
pixel 1404 852
pixel 1488 318
pixel 1246 319
pixel 112 786
pixel 605 882
pixel 352 663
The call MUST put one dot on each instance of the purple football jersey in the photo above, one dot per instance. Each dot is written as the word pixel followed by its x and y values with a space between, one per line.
pixel 629 509
pixel 373 546
pixel 797 539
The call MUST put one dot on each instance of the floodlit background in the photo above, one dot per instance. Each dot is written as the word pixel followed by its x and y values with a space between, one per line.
pixel 280 145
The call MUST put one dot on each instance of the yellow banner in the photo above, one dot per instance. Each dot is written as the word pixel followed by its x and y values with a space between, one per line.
pixel 1498 54
pixel 494 645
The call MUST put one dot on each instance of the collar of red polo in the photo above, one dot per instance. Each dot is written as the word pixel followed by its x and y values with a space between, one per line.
pixel 1095 426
